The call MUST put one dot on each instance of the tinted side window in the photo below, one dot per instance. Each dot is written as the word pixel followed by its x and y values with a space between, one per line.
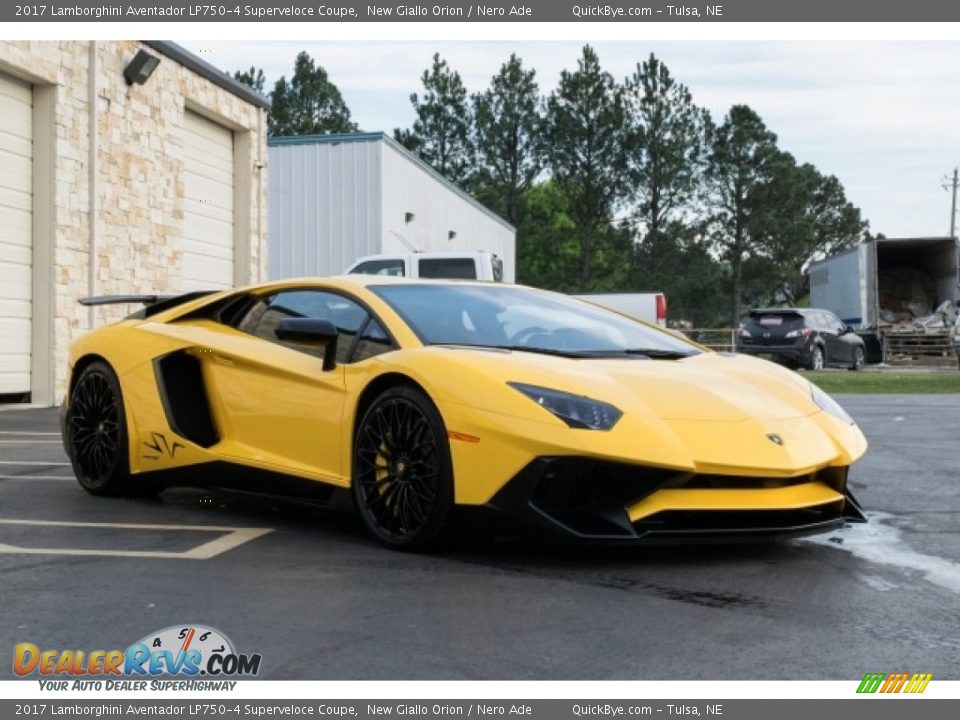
pixel 833 322
pixel 346 315
pixel 373 341
pixel 392 267
pixel 449 268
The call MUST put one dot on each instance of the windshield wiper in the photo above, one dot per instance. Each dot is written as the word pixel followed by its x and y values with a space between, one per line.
pixel 521 348
pixel 659 353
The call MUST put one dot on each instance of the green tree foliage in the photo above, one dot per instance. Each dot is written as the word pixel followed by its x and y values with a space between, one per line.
pixel 676 261
pixel 742 165
pixel 506 133
pixel 309 104
pixel 809 219
pixel 547 252
pixel 585 133
pixel 668 145
pixel 253 78
pixel 441 133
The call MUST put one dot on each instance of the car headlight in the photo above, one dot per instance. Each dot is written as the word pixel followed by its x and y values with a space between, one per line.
pixel 577 411
pixel 829 405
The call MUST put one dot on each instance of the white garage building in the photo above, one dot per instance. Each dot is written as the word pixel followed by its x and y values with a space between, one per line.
pixel 114 181
pixel 335 198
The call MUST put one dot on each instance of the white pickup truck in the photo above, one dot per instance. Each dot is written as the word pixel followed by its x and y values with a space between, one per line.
pixel 650 307
pixel 477 265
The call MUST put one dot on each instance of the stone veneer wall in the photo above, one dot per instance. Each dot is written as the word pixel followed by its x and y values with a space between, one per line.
pixel 139 187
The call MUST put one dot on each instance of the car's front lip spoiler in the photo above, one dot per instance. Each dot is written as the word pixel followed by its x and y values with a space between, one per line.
pixel 515 510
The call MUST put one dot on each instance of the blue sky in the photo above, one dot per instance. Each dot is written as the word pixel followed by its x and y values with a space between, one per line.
pixel 881 116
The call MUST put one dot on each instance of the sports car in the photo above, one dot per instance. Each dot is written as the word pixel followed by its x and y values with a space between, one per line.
pixel 441 403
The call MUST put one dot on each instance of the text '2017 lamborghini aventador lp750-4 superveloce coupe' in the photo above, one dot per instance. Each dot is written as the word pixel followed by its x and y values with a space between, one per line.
pixel 434 401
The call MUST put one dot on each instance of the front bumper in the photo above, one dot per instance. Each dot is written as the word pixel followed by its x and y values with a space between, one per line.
pixel 587 499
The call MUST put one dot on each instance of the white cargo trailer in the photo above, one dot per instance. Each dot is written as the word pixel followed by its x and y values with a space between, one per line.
pixel 337 198
pixel 859 285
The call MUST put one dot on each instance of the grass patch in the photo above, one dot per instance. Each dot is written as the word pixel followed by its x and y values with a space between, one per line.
pixel 886 381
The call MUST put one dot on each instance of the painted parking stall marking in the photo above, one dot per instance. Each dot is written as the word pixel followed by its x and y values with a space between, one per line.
pixel 227 539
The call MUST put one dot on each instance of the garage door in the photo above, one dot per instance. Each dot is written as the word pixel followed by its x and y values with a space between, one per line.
pixel 16 214
pixel 208 207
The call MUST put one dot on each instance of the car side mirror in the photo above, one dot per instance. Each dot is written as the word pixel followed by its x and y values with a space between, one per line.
pixel 848 329
pixel 311 331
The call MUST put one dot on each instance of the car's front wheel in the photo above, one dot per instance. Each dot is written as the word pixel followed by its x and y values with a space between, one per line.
pixel 402 473
pixel 95 434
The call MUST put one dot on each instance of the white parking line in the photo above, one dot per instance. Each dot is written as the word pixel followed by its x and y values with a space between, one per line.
pixel 30 442
pixel 232 537
pixel 28 433
pixel 43 463
pixel 36 477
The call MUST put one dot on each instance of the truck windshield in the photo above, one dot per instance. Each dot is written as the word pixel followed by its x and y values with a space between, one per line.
pixel 519 318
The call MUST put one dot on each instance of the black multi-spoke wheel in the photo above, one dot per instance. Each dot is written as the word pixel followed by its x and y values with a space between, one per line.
pixel 402 479
pixel 95 432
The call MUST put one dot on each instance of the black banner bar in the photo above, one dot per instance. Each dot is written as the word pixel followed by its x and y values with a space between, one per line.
pixel 635 11
pixel 223 706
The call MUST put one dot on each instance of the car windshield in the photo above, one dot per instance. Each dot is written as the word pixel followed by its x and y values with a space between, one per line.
pixel 518 318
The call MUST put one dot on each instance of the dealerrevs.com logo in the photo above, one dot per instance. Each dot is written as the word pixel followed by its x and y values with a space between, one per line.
pixel 187 651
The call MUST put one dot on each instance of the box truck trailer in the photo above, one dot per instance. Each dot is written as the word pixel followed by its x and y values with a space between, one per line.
pixel 893 292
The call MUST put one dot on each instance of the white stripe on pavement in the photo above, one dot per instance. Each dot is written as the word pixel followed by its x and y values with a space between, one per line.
pixel 30 442
pixel 28 433
pixel 233 537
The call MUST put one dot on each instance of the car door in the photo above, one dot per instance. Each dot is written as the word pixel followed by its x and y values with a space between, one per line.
pixel 274 402
pixel 838 352
pixel 849 341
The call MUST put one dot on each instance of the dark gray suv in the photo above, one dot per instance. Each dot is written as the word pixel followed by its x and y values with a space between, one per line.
pixel 809 337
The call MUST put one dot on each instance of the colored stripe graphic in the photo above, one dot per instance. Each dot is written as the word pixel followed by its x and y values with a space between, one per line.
pixel 894 682
pixel 918 683
pixel 871 682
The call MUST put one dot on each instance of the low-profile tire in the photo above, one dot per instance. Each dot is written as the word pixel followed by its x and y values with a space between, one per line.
pixel 816 358
pixel 859 359
pixel 95 435
pixel 402 472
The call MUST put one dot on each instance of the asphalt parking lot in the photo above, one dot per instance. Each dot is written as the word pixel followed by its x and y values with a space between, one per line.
pixel 318 599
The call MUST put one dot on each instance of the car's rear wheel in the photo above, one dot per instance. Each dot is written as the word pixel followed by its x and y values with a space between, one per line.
pixel 402 473
pixel 95 434
pixel 816 358
pixel 859 359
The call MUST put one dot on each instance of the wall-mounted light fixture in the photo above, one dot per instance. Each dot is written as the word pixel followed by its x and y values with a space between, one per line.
pixel 140 68
pixel 408 217
pixel 452 235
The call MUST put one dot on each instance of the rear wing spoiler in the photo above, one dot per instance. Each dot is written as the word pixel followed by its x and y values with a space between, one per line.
pixel 154 303
pixel 123 300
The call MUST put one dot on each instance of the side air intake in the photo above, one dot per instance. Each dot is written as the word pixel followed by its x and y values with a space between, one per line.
pixel 184 396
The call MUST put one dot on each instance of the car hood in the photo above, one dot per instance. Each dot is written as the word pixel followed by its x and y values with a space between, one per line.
pixel 711 412
pixel 704 387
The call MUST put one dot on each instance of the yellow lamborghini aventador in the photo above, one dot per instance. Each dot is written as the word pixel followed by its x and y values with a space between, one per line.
pixel 427 400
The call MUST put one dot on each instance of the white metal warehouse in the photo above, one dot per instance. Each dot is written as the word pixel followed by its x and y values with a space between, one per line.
pixel 335 198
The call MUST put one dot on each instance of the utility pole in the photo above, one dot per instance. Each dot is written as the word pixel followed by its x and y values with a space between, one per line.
pixel 952 188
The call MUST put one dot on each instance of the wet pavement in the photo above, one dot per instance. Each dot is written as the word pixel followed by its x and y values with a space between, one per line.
pixel 308 590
